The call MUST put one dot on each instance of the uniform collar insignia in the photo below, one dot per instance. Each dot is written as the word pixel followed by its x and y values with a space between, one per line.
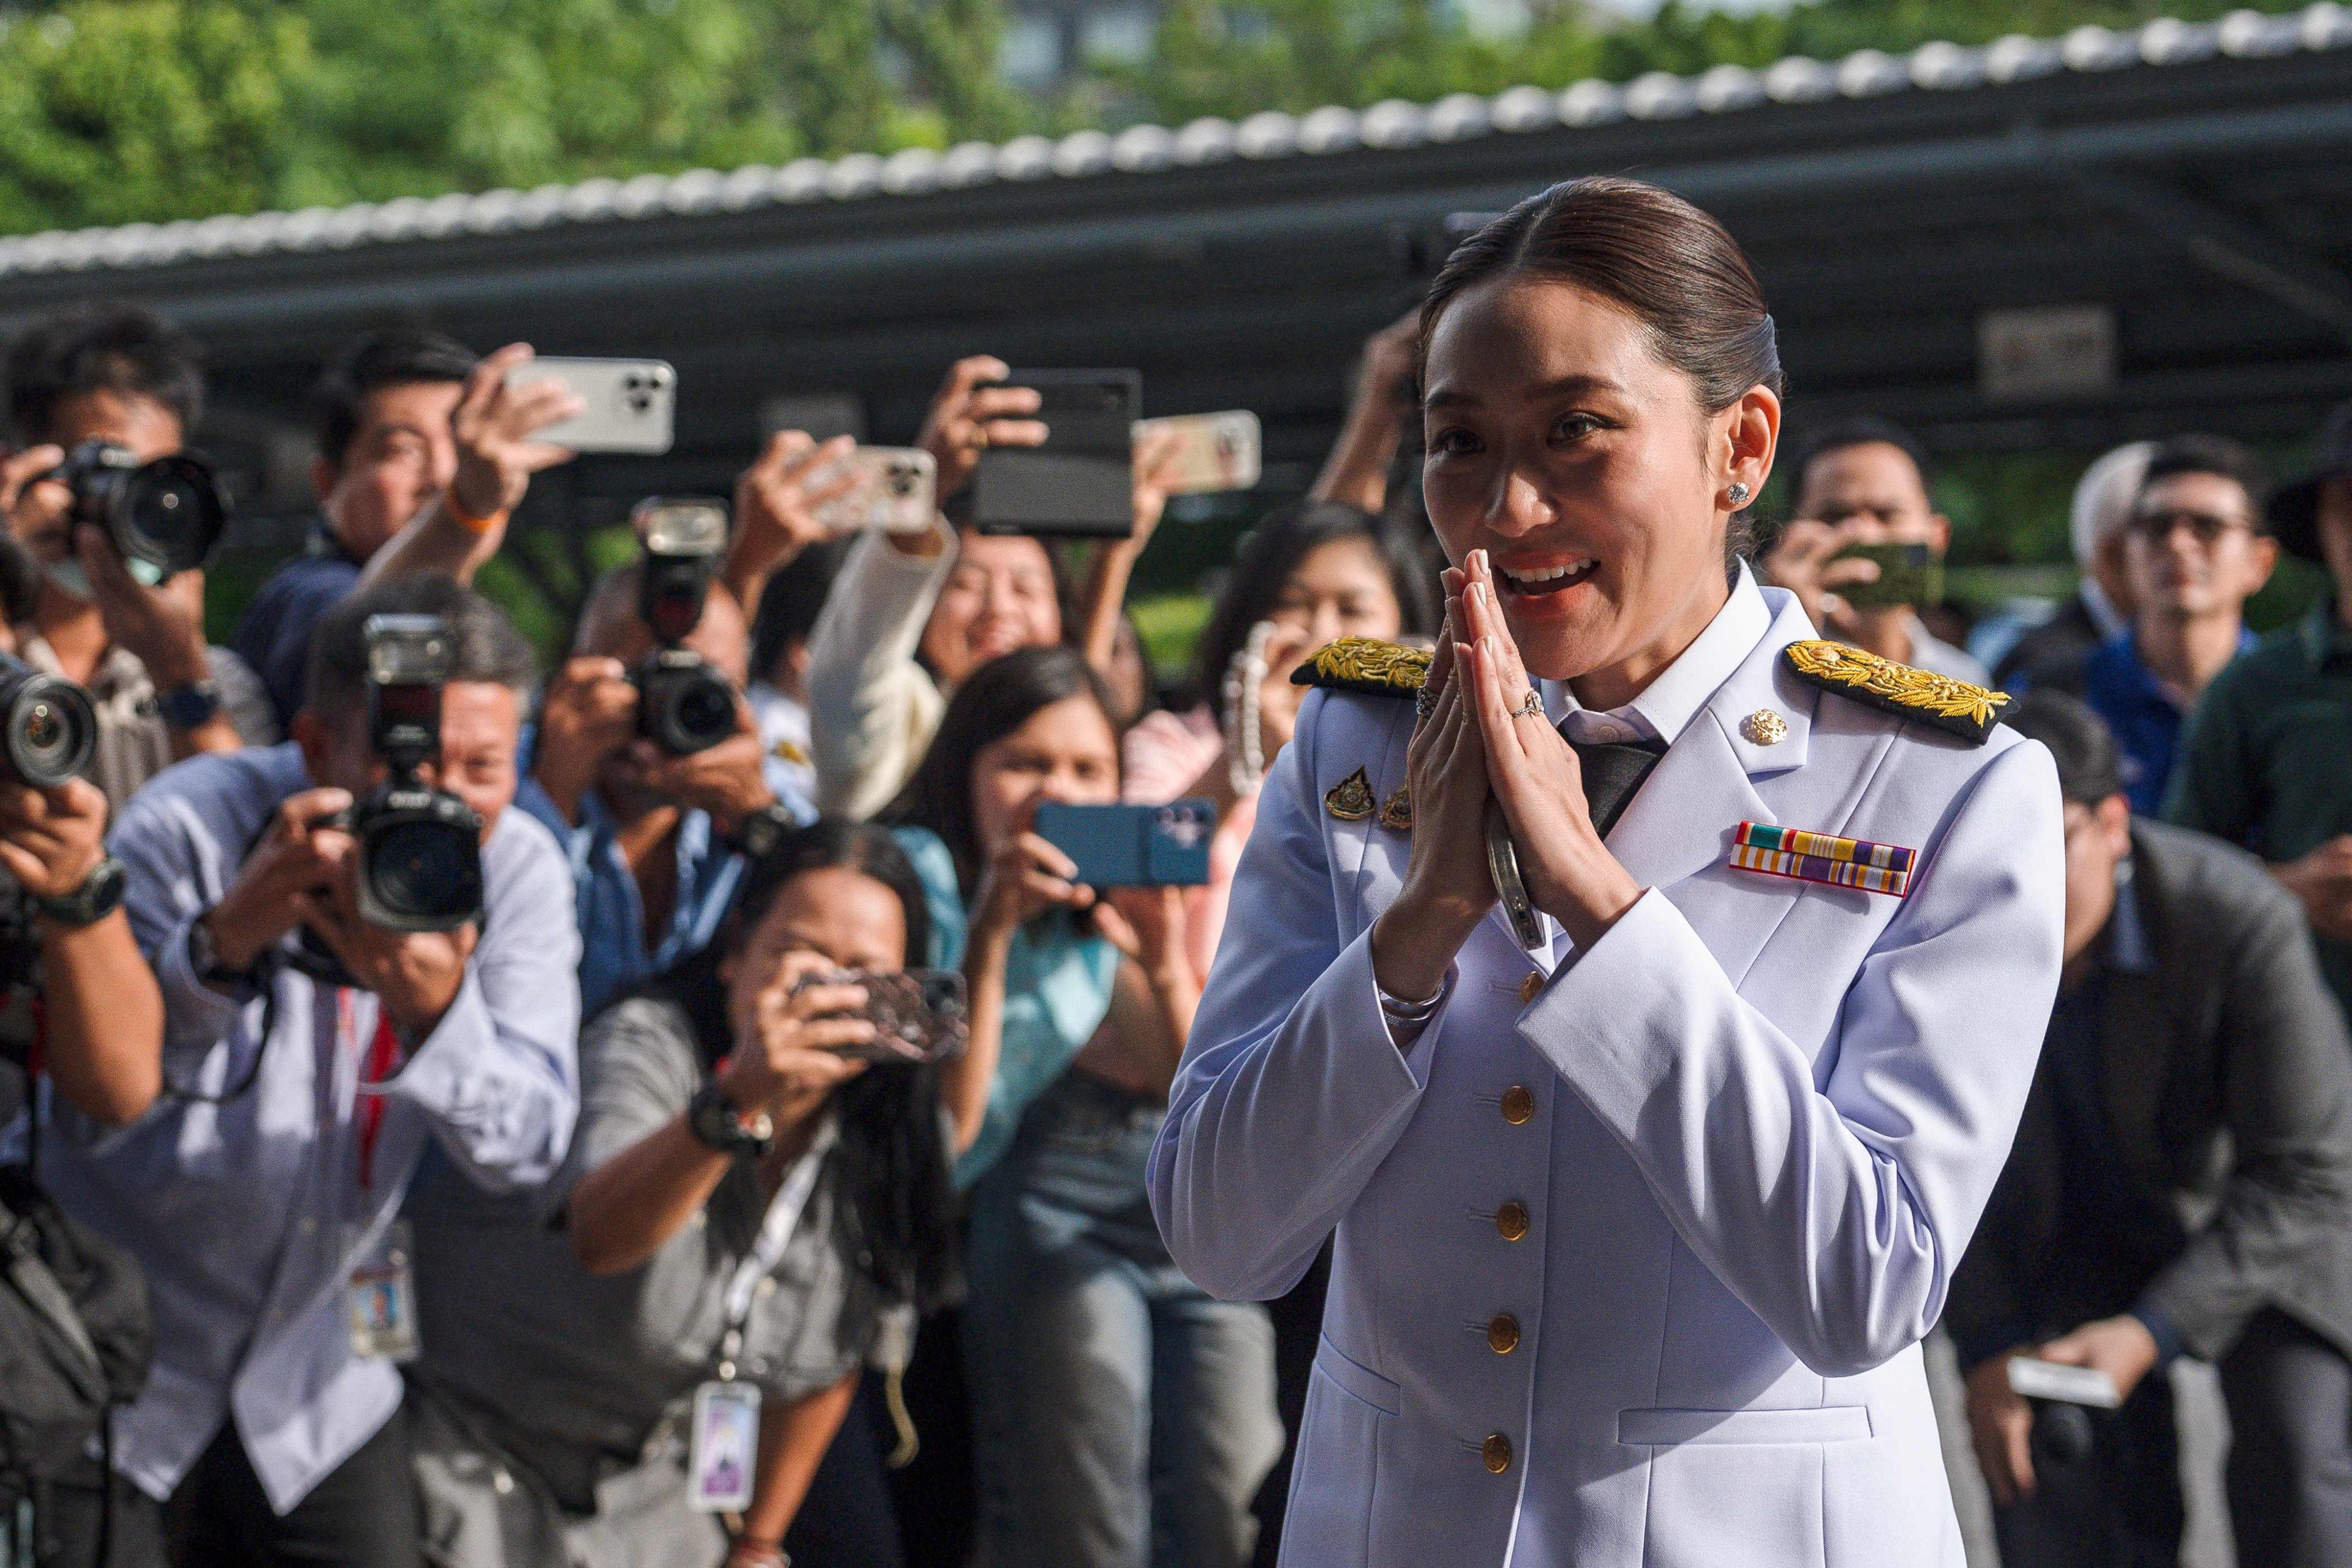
pixel 1366 665
pixel 1350 799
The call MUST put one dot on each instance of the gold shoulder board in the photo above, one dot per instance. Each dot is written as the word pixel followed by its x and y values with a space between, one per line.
pixel 1952 706
pixel 1367 664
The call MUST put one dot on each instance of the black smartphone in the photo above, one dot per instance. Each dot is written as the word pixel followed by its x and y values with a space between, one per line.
pixel 1133 845
pixel 919 1015
pixel 1907 575
pixel 1080 483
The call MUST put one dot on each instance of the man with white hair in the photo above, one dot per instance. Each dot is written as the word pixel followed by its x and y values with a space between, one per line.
pixel 2052 654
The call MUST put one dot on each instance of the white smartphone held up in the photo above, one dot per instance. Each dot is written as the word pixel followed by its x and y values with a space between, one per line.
pixel 893 489
pixel 2074 1384
pixel 1214 451
pixel 631 402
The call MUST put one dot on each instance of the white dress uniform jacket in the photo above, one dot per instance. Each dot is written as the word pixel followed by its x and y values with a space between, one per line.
pixel 1637 1273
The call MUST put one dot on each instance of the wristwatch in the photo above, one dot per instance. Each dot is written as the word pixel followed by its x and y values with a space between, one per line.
pixel 715 1122
pixel 191 706
pixel 100 895
pixel 204 959
pixel 757 836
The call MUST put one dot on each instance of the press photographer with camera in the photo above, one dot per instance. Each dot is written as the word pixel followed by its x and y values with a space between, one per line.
pixel 361 952
pixel 649 757
pixel 386 451
pixel 118 519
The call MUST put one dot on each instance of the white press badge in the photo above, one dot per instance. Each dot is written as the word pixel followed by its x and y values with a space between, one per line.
pixel 380 1298
pixel 726 1438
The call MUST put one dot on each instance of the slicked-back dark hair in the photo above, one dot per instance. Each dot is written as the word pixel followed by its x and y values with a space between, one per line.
pixel 999 697
pixel 1863 431
pixel 896 1213
pixel 2090 769
pixel 396 356
pixel 2215 454
pixel 1653 255
pixel 127 350
pixel 487 647
pixel 1262 569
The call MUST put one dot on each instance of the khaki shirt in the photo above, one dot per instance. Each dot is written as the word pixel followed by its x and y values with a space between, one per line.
pixel 134 744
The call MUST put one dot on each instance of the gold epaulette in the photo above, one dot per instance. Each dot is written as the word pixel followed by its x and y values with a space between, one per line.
pixel 1368 665
pixel 1952 706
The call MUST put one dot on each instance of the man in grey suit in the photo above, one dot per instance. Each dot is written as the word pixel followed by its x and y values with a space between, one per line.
pixel 2181 1182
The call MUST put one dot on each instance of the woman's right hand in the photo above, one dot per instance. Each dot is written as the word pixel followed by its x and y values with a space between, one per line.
pixel 1025 878
pixel 1447 888
pixel 793 1059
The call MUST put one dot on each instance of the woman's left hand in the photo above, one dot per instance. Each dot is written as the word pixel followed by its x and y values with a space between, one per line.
pixel 1535 775
pixel 1147 924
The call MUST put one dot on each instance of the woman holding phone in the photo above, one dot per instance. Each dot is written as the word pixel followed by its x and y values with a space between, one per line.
pixel 1120 1413
pixel 752 1205
pixel 1649 1172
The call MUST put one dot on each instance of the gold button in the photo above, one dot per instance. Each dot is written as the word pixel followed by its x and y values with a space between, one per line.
pixel 1530 985
pixel 1503 1334
pixel 1511 1219
pixel 1497 1451
pixel 1519 1104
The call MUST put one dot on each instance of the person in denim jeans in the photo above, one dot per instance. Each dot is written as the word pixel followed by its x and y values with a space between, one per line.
pixel 1122 1416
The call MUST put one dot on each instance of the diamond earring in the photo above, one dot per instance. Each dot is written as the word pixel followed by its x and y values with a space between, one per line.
pixel 1738 494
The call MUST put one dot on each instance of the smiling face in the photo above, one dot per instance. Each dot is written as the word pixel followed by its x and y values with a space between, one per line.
pixel 1559 442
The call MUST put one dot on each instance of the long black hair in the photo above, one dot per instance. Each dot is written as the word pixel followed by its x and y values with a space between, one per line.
pixel 1262 569
pixel 896 1209
pixel 998 699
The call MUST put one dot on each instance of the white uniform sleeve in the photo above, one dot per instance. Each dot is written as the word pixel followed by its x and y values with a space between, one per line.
pixel 1835 1199
pixel 872 708
pixel 1291 1092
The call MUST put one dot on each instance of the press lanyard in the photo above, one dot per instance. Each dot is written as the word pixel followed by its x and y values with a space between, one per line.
pixel 382 1057
pixel 776 1230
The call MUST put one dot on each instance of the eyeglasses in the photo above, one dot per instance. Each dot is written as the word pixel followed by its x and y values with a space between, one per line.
pixel 2206 528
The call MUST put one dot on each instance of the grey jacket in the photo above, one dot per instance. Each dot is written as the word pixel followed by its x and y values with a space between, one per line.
pixel 2228 1080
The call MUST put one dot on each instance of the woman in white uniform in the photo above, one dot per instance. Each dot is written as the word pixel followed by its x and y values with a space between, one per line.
pixel 1648 1177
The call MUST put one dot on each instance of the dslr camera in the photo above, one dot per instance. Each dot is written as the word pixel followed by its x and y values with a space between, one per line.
pixel 420 849
pixel 48 727
pixel 163 517
pixel 684 704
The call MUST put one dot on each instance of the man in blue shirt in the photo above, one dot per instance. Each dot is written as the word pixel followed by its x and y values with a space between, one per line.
pixel 385 452
pixel 2195 548
pixel 650 835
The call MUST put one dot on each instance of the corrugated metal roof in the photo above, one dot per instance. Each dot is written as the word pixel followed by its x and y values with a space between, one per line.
pixel 1147 149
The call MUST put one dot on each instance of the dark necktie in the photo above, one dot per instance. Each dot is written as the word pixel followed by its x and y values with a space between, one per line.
pixel 1613 772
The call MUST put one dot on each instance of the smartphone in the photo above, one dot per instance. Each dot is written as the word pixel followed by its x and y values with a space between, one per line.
pixel 1907 575
pixel 2074 1384
pixel 1081 482
pixel 631 402
pixel 919 1015
pixel 1133 845
pixel 894 489
pixel 1214 451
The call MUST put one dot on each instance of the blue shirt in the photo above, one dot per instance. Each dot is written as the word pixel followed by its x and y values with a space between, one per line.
pixel 2145 718
pixel 273 636
pixel 1057 990
pixel 249 1190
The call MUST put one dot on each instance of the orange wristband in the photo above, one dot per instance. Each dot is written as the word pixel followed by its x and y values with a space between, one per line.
pixel 477 526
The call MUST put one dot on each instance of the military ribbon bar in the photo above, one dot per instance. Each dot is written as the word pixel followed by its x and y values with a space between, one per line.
pixel 1822 858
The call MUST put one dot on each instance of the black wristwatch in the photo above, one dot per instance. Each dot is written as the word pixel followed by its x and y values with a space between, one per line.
pixel 757 836
pixel 189 707
pixel 715 1122
pixel 100 895
pixel 204 960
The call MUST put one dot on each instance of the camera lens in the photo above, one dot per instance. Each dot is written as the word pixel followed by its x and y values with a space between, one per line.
pixel 425 872
pixel 168 513
pixel 706 711
pixel 46 725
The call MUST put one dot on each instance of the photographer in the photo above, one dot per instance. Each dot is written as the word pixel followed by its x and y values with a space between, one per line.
pixel 647 830
pixel 386 451
pixel 259 1192
pixel 120 375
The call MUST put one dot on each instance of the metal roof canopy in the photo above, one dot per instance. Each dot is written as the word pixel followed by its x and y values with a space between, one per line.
pixel 2208 202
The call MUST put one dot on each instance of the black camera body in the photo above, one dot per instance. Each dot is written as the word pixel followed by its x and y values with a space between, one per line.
pixel 163 517
pixel 685 704
pixel 48 728
pixel 420 849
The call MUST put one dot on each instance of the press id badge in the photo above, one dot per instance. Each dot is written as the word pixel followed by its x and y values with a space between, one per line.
pixel 381 1298
pixel 726 1446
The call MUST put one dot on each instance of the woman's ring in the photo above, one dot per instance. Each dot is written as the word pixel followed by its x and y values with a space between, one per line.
pixel 1530 708
pixel 1425 702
